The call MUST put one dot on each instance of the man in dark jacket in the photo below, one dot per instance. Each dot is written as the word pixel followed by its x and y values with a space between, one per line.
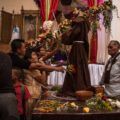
pixel 18 61
pixel 8 101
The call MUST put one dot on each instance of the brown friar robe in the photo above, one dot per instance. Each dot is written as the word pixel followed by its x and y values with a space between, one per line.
pixel 78 38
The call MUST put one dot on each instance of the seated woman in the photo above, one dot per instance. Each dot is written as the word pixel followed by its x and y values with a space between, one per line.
pixel 111 75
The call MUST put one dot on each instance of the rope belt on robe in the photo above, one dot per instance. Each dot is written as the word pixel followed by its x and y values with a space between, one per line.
pixel 78 42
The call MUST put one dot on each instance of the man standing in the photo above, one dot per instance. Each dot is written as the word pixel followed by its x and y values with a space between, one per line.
pixel 8 101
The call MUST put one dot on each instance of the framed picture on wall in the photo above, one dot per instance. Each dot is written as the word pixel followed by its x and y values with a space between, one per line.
pixel 30 27
pixel 31 24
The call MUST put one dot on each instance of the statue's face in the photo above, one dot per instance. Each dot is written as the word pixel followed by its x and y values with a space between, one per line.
pixel 81 3
pixel 66 2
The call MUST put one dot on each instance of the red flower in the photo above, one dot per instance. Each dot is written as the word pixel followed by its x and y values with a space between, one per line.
pixel 104 98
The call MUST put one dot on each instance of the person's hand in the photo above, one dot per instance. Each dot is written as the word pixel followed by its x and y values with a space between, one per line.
pixel 42 35
pixel 47 31
pixel 60 69
pixel 60 34
pixel 80 13
pixel 41 62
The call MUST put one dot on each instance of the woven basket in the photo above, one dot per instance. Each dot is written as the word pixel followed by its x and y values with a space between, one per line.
pixel 83 94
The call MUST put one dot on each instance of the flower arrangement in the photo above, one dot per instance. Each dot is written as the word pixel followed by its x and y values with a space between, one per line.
pixel 114 103
pixel 96 104
pixel 65 25
pixel 93 14
pixel 46 106
pixel 71 69
pixel 47 25
pixel 102 103
pixel 99 104
pixel 68 107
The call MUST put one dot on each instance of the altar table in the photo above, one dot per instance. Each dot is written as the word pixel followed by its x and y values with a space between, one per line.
pixel 96 71
pixel 77 116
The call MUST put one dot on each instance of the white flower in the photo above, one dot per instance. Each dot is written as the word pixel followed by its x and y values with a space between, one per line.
pixel 92 103
pixel 59 109
pixel 47 25
pixel 75 107
pixel 65 108
pixel 109 100
pixel 55 33
pixel 113 104
pixel 118 104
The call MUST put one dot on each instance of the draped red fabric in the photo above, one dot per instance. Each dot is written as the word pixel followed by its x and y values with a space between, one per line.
pixel 90 3
pixel 42 9
pixel 53 8
pixel 93 49
pixel 93 43
pixel 94 40
pixel 99 2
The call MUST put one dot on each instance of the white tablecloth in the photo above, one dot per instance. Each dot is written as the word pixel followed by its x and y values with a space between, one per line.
pixel 96 71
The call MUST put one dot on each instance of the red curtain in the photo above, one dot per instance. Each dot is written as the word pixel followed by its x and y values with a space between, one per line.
pixel 93 48
pixel 42 9
pixel 53 8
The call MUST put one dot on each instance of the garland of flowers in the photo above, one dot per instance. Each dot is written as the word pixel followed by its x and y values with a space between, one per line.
pixel 93 15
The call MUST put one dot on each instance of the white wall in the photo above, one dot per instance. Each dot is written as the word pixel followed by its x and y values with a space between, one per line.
pixel 115 32
pixel 10 5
